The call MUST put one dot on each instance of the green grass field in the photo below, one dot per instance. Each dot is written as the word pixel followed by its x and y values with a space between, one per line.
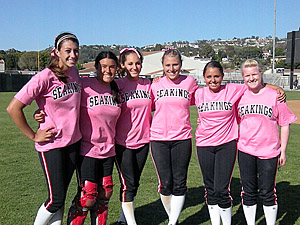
pixel 23 189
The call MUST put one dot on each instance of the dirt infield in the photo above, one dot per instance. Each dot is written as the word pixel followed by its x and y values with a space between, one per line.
pixel 294 105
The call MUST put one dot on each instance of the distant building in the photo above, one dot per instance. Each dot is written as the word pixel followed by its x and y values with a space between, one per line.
pixel 266 54
pixel 2 66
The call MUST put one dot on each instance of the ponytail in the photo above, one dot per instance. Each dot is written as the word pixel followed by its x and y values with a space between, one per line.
pixel 115 91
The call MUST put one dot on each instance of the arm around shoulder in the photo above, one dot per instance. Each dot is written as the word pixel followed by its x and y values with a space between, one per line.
pixel 281 94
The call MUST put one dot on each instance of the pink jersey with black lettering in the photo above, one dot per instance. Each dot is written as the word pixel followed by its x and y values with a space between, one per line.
pixel 133 126
pixel 259 115
pixel 61 103
pixel 217 114
pixel 98 117
pixel 171 101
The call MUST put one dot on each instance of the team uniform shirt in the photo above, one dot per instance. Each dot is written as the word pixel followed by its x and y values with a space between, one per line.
pixel 217 114
pixel 60 102
pixel 98 117
pixel 171 101
pixel 259 115
pixel 133 126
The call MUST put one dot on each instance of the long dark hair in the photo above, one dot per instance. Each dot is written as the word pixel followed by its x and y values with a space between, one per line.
pixel 213 64
pixel 122 58
pixel 113 85
pixel 54 62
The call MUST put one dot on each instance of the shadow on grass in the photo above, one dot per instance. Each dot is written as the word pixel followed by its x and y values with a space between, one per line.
pixel 288 205
pixel 288 201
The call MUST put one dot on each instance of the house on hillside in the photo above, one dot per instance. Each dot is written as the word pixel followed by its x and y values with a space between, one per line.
pixel 2 66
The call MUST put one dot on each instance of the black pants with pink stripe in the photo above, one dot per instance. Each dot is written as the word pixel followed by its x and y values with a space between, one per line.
pixel 258 179
pixel 58 165
pixel 217 163
pixel 130 164
pixel 171 160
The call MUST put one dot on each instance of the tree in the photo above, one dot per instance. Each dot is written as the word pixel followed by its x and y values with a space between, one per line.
pixel 249 52
pixel 221 54
pixel 158 47
pixel 44 59
pixel 229 50
pixel 28 60
pixel 207 51
pixel 11 61
pixel 279 52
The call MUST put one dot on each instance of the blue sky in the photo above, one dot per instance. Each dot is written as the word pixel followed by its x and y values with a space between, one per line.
pixel 32 24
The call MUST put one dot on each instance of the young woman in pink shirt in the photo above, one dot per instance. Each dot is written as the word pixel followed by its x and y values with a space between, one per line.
pixel 133 130
pixel 99 112
pixel 170 132
pixel 56 91
pixel 260 147
pixel 216 139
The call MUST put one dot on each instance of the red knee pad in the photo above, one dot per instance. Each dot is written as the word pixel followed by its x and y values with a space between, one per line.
pixel 107 184
pixel 99 215
pixel 105 188
pixel 89 194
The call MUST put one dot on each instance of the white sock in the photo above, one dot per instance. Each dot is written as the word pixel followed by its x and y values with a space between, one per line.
pixel 166 201
pixel 270 214
pixel 214 214
pixel 43 216
pixel 250 213
pixel 128 211
pixel 57 218
pixel 122 216
pixel 177 203
pixel 225 215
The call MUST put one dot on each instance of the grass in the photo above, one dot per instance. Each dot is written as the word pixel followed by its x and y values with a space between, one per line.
pixel 23 189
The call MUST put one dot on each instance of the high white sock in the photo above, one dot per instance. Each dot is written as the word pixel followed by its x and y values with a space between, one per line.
pixel 128 211
pixel 225 215
pixel 122 216
pixel 57 218
pixel 270 214
pixel 214 214
pixel 166 201
pixel 177 203
pixel 250 213
pixel 43 216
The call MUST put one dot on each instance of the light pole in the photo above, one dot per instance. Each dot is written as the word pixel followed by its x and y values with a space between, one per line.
pixel 274 40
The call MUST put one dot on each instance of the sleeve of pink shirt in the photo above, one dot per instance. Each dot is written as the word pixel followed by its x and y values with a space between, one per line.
pixel 285 115
pixel 32 89
pixel 239 89
pixel 194 88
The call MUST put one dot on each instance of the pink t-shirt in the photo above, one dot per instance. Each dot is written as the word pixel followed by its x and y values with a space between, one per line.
pixel 260 115
pixel 171 102
pixel 217 114
pixel 98 117
pixel 61 103
pixel 133 126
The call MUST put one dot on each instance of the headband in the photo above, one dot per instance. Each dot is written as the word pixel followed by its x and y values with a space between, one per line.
pixel 130 49
pixel 64 37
